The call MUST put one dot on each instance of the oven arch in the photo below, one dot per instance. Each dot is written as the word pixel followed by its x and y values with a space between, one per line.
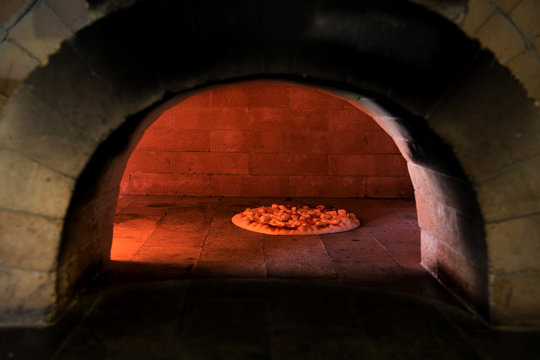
pixel 434 73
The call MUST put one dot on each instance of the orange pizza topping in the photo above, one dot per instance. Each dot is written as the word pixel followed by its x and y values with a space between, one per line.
pixel 301 218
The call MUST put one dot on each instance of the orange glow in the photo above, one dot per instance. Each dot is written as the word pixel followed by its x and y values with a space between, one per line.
pixel 266 138
pixel 186 236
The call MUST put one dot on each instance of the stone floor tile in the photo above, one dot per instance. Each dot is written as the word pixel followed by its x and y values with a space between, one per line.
pixel 402 244
pixel 142 210
pixel 237 255
pixel 387 218
pixel 297 257
pixel 180 256
pixel 177 235
pixel 132 225
pixel 124 247
pixel 193 215
pixel 355 247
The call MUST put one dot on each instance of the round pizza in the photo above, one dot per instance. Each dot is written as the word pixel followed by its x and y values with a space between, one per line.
pixel 296 220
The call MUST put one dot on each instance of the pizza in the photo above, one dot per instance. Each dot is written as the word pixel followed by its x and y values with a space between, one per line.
pixel 296 220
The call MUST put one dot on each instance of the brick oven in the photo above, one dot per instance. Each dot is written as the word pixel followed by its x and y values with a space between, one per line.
pixel 385 95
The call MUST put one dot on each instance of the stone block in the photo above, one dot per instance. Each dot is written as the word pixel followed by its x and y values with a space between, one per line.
pixel 313 120
pixel 445 189
pixel 247 185
pixel 255 94
pixel 418 179
pixel 378 142
pixel 369 165
pixel 308 99
pixel 229 141
pixel 277 119
pixel 112 52
pixel 198 100
pixel 506 5
pixel 269 141
pixel 488 120
pixel 463 278
pixel 87 234
pixel 500 36
pixel 3 100
pixel 125 188
pixel 428 251
pixel 478 13
pixel 209 163
pixel 288 164
pixel 451 221
pixel 169 184
pixel 67 85
pixel 390 125
pixel 513 245
pixel 526 67
pixel 511 193
pixel 536 43
pixel 9 9
pixel 351 119
pixel 75 273
pixel 309 142
pixel 74 12
pixel 27 186
pixel 515 299
pixel 327 186
pixel 525 16
pixel 471 240
pixel 109 178
pixel 181 256
pixel 174 140
pixel 212 119
pixel 15 65
pixel 26 296
pixel 389 187
pixel 404 147
pixel 40 31
pixel 28 241
pixel 438 219
pixel 32 128
pixel 346 142
pixel 147 161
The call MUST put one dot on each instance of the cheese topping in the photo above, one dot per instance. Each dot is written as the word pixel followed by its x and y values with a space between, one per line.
pixel 302 218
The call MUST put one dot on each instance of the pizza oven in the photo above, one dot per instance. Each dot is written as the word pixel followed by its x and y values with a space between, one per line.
pixel 198 160
pixel 258 143
pixel 127 149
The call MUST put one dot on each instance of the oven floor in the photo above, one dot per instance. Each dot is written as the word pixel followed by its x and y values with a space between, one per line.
pixel 187 237
pixel 185 283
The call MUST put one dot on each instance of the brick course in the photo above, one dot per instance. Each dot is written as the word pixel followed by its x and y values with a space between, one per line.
pixel 266 138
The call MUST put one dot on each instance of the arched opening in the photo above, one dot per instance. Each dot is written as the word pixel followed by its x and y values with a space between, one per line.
pixel 434 170
pixel 431 78
pixel 254 143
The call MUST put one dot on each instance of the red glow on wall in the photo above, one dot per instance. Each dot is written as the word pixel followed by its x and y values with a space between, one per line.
pixel 266 139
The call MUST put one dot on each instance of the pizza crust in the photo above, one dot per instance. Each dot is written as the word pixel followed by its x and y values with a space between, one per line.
pixel 293 220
